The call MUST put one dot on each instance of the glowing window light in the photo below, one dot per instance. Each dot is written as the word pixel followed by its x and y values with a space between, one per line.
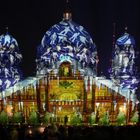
pixel 97 104
pixel 122 109
pixel 64 58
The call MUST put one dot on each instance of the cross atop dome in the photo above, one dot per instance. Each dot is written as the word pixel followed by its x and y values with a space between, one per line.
pixel 126 28
pixel 7 29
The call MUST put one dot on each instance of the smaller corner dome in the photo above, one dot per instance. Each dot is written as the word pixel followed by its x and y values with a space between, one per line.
pixel 7 40
pixel 126 39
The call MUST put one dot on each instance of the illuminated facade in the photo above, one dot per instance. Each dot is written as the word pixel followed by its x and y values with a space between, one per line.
pixel 66 76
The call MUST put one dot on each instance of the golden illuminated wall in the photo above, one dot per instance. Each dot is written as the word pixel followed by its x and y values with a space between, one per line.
pixel 103 93
pixel 66 89
pixel 66 95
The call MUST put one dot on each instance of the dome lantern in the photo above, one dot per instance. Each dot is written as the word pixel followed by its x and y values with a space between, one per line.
pixel 67 15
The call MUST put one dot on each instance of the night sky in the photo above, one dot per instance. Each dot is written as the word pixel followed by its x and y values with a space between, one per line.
pixel 28 20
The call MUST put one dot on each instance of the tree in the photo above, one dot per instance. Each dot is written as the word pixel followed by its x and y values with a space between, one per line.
pixel 138 98
pixel 121 118
pixel 92 118
pixel 76 119
pixel 46 118
pixel 135 117
pixel 104 120
pixel 4 118
pixel 17 117
pixel 33 118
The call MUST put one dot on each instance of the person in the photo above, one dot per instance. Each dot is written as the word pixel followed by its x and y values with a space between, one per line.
pixel 13 134
pixel 53 133
pixel 65 120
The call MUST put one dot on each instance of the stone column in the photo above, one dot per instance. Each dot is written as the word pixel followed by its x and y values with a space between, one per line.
pixel 38 97
pixel 47 94
pixel 19 100
pixel 85 95
pixel 93 97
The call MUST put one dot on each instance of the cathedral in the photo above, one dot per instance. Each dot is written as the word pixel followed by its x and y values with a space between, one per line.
pixel 66 80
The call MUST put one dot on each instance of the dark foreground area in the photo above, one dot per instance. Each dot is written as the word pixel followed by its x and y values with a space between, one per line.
pixel 59 132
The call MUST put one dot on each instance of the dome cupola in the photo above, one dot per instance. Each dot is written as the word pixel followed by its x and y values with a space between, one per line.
pixel 67 39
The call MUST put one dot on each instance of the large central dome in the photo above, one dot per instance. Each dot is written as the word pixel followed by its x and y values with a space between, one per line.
pixel 67 32
pixel 67 39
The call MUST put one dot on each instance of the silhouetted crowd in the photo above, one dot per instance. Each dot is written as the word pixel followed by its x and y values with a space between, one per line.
pixel 63 132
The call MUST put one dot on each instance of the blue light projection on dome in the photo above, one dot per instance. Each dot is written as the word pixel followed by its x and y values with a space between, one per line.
pixel 70 40
pixel 10 57
pixel 126 39
pixel 124 71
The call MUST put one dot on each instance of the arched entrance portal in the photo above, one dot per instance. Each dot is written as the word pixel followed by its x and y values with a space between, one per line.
pixel 65 69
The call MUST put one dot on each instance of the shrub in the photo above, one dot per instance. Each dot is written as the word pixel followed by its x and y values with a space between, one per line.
pixel 46 118
pixel 33 118
pixel 76 119
pixel 92 118
pixel 104 120
pixel 17 117
pixel 4 118
pixel 135 117
pixel 121 119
